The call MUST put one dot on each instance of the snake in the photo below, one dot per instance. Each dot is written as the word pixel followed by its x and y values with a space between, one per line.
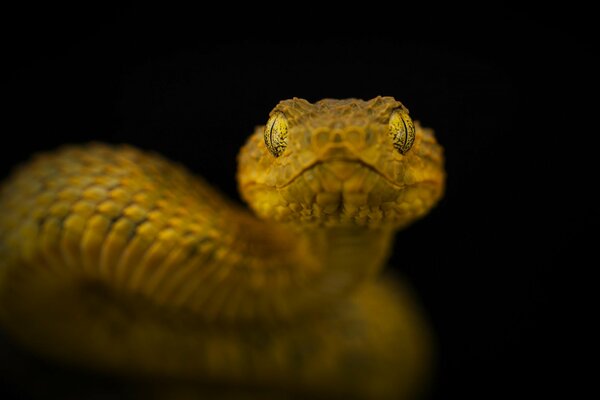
pixel 116 259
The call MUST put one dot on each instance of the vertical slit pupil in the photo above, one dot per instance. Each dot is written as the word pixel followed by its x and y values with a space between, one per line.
pixel 273 140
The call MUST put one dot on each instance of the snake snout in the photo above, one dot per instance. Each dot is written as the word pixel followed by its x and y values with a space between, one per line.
pixel 343 169
pixel 337 152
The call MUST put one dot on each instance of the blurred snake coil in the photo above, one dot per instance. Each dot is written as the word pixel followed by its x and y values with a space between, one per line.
pixel 120 261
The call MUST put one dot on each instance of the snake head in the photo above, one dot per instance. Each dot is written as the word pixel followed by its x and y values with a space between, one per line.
pixel 341 163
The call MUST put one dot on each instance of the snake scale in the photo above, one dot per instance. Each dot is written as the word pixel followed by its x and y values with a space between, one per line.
pixel 119 260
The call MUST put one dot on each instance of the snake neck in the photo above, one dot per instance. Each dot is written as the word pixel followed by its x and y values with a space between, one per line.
pixel 347 256
pixel 296 269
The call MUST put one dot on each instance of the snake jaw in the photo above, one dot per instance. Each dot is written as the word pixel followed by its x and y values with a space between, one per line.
pixel 342 169
pixel 343 193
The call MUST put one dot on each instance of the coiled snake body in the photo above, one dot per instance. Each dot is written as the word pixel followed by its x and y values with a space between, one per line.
pixel 122 261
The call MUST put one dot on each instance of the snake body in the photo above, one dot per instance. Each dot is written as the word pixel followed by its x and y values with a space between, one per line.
pixel 117 259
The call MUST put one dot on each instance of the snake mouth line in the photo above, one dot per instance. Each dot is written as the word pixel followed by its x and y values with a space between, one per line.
pixel 356 161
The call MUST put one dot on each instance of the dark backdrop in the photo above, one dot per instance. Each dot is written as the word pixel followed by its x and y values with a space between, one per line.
pixel 502 87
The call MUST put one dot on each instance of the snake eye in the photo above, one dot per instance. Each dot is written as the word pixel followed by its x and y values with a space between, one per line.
pixel 276 133
pixel 402 130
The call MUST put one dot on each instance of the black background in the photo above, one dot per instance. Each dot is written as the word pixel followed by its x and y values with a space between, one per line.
pixel 503 87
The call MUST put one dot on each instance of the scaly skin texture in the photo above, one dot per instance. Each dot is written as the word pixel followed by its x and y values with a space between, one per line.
pixel 120 260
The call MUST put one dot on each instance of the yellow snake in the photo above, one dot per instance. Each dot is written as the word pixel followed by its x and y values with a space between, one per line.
pixel 121 261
